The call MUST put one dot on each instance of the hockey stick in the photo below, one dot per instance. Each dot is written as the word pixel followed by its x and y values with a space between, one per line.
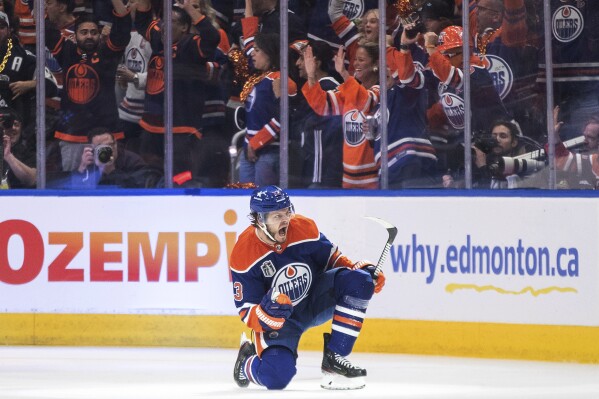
pixel 392 230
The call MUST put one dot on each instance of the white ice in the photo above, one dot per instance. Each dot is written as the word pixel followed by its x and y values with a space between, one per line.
pixel 181 373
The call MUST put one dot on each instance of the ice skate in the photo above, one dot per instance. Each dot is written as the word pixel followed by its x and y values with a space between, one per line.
pixel 246 349
pixel 338 372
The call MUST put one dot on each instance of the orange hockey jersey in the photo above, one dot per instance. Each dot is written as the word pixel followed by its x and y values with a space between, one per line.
pixel 353 102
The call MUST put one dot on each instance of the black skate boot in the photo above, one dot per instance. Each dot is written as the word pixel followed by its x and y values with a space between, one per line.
pixel 338 372
pixel 246 349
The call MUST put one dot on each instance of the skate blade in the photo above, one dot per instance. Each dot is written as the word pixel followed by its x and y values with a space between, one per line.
pixel 244 338
pixel 338 382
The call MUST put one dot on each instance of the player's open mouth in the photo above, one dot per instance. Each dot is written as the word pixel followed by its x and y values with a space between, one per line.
pixel 283 232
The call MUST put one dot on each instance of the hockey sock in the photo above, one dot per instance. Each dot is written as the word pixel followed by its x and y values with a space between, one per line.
pixel 353 289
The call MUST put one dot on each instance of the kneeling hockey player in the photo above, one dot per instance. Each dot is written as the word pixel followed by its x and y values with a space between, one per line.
pixel 287 278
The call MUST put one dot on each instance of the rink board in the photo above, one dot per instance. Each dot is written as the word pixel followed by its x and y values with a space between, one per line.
pixel 507 277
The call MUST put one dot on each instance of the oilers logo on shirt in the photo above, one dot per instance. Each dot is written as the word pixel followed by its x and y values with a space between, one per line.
pixel 352 127
pixel 453 106
pixel 352 8
pixel 294 280
pixel 500 71
pixel 567 23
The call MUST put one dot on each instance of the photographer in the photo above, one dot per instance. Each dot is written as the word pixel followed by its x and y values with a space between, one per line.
pixel 19 165
pixel 489 152
pixel 104 164
pixel 504 136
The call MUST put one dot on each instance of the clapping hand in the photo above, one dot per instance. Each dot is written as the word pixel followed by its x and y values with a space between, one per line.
pixel 340 63
pixel 310 65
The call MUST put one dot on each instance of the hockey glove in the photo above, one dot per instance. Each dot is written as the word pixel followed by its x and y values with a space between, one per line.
pixel 274 309
pixel 379 280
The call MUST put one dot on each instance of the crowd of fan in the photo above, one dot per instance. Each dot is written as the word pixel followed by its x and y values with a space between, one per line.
pixel 105 93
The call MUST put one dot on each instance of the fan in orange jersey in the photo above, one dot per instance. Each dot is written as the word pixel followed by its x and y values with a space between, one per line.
pixel 353 103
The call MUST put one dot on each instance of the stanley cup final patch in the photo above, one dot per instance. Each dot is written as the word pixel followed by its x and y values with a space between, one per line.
pixel 268 269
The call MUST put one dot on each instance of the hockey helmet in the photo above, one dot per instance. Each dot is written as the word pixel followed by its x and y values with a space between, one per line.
pixel 268 199
pixel 450 37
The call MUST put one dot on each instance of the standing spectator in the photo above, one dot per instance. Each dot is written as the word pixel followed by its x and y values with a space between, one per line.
pixel 446 60
pixel 411 157
pixel 17 73
pixel 191 52
pixel 500 37
pixel 132 74
pixel 259 163
pixel 19 154
pixel 321 136
pixel 89 67
pixel 213 159
pixel 355 98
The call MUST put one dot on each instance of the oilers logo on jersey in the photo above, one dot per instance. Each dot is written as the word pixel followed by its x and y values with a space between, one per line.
pixel 453 106
pixel 500 71
pixel 352 127
pixel 352 8
pixel 294 280
pixel 135 61
pixel 567 23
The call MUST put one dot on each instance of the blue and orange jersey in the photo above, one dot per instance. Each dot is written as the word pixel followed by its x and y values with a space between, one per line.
pixel 406 105
pixel 353 102
pixel 486 103
pixel 262 112
pixel 290 268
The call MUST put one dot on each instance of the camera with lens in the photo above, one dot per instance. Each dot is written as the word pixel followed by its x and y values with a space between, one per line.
pixel 418 28
pixel 506 166
pixel 7 121
pixel 103 154
pixel 485 143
